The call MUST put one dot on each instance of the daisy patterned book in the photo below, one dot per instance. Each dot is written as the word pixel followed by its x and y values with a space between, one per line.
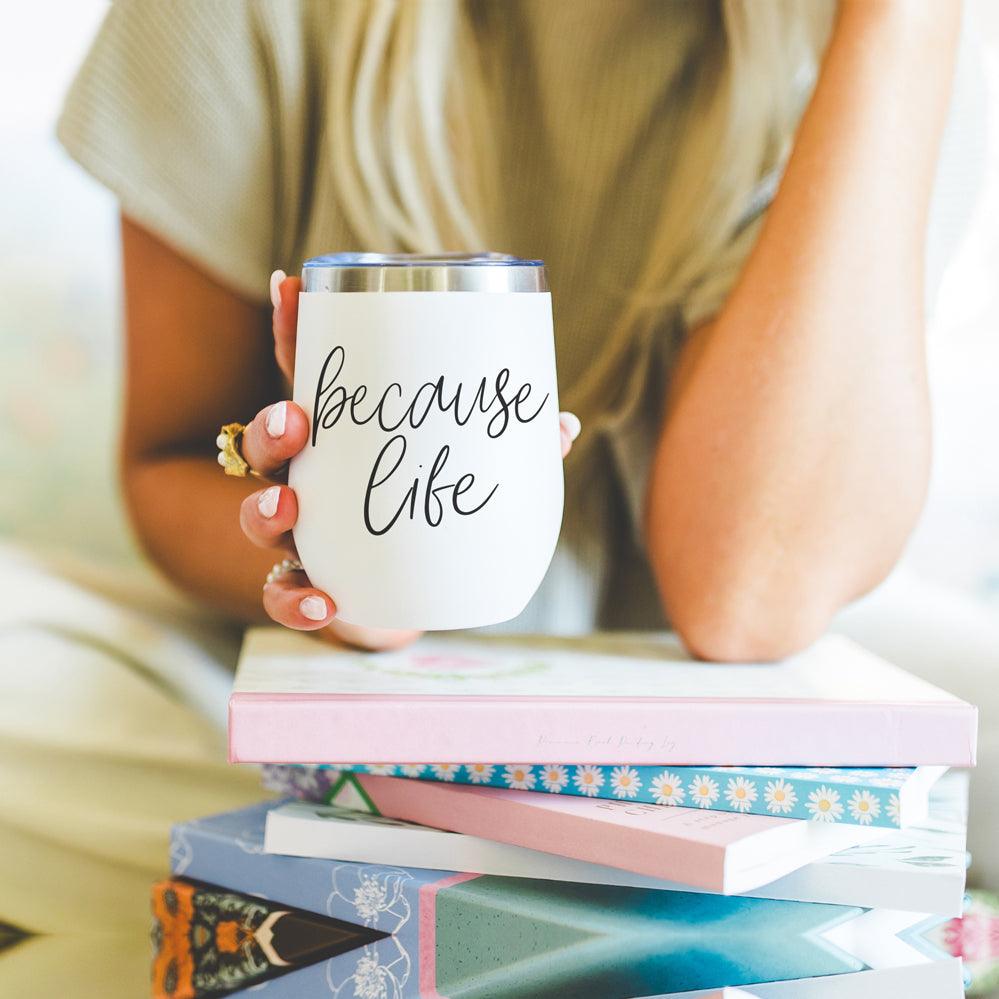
pixel 889 798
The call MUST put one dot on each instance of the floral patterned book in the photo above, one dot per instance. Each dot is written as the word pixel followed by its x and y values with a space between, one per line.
pixel 208 941
pixel 602 699
pixel 891 798
pixel 404 932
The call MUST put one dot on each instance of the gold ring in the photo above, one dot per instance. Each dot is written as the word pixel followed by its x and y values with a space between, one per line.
pixel 230 456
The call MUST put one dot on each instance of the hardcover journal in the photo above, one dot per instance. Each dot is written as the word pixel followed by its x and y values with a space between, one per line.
pixel 639 699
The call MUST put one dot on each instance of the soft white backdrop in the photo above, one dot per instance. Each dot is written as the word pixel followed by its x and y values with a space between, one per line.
pixel 59 308
pixel 60 364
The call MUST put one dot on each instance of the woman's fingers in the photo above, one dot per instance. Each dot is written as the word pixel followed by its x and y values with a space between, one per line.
pixel 284 298
pixel 267 516
pixel 275 435
pixel 290 601
pixel 569 427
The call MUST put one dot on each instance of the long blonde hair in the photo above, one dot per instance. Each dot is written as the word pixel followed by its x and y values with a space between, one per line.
pixel 414 161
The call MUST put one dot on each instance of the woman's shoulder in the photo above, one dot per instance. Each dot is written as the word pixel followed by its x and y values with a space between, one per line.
pixel 193 114
pixel 248 38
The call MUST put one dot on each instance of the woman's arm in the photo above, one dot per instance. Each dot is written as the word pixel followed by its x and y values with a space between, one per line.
pixel 199 356
pixel 794 457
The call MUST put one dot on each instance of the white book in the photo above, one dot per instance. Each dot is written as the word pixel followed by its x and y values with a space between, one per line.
pixel 921 869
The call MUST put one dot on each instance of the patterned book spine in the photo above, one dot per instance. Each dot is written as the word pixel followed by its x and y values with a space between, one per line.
pixel 228 850
pixel 855 797
pixel 209 941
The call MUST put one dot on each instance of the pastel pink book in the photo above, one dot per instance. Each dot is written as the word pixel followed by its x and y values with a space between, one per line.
pixel 602 699
pixel 721 852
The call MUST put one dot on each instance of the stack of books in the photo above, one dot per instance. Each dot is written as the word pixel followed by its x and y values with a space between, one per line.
pixel 695 829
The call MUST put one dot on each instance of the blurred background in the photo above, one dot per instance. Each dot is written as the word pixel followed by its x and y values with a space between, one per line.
pixel 60 370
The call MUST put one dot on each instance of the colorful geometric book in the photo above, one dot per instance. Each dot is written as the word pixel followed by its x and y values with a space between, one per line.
pixel 600 700
pixel 889 798
pixel 481 937
pixel 716 851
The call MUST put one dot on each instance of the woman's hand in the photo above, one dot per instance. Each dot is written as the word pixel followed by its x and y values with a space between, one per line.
pixel 267 516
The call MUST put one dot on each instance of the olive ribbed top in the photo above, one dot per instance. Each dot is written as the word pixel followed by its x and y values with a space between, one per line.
pixel 203 117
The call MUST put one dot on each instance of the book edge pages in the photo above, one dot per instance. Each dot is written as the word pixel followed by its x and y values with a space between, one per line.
pixel 807 842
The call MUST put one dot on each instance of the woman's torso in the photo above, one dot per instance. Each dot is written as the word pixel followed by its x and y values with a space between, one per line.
pixel 584 121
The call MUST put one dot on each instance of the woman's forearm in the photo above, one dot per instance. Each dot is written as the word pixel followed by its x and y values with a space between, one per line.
pixel 793 461
pixel 197 356
pixel 186 513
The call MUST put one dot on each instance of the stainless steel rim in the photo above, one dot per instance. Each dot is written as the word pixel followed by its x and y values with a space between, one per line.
pixel 489 272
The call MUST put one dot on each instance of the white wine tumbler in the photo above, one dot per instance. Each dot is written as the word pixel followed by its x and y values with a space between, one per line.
pixel 430 489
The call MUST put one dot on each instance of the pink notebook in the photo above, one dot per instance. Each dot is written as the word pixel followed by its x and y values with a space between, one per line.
pixel 595 700
pixel 719 852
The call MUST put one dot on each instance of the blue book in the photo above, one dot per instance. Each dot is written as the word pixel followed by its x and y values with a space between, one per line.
pixel 445 934
pixel 889 798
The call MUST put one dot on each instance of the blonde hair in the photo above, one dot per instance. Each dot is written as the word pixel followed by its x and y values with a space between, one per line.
pixel 414 162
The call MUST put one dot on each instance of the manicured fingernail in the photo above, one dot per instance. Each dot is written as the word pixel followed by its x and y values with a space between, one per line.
pixel 267 501
pixel 314 608
pixel 276 417
pixel 570 424
pixel 276 278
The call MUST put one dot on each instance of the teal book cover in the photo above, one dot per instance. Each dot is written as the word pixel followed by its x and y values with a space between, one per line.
pixel 891 797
